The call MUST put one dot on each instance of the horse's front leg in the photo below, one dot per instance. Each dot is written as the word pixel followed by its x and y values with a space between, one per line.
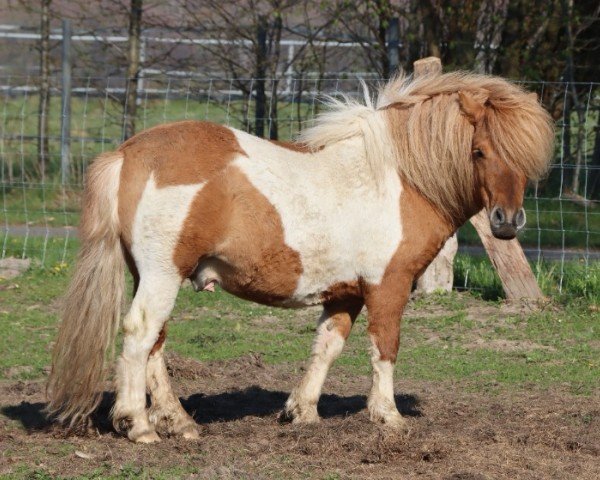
pixel 332 331
pixel 385 304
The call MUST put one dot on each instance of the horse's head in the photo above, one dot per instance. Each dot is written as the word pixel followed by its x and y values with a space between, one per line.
pixel 499 187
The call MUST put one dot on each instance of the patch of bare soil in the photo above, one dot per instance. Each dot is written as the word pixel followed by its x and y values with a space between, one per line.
pixel 453 434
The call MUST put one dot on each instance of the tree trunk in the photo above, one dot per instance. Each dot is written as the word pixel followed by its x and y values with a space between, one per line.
pixel 382 10
pixel 275 52
pixel 594 173
pixel 44 105
pixel 490 25
pixel 579 110
pixel 133 67
pixel 259 77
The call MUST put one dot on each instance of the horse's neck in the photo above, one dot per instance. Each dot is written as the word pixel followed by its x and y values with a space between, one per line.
pixel 347 158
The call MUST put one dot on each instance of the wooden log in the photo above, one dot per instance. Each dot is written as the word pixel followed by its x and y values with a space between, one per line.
pixel 509 261
pixel 427 66
pixel 518 280
pixel 439 275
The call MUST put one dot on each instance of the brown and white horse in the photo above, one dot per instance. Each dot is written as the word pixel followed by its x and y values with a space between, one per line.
pixel 347 217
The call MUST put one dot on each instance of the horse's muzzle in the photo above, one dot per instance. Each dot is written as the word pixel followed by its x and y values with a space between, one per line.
pixel 505 225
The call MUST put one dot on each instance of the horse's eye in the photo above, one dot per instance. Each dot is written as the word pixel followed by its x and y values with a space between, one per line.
pixel 477 153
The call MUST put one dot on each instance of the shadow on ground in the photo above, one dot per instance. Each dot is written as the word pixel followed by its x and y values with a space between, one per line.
pixel 259 402
pixel 205 409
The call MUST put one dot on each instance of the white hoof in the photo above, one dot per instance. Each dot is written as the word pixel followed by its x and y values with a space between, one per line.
pixel 300 413
pixel 147 436
pixel 383 412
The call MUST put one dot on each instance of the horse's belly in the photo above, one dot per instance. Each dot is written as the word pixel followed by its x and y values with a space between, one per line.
pixel 269 284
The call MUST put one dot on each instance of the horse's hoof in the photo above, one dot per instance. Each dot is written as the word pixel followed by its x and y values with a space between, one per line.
pixel 300 414
pixel 147 436
pixel 189 433
pixel 388 416
pixel 393 421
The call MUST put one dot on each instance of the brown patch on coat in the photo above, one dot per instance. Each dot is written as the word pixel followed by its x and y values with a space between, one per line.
pixel 162 336
pixel 342 314
pixel 341 291
pixel 233 229
pixel 424 232
pixel 180 153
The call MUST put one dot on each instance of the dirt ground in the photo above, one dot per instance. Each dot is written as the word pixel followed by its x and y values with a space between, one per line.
pixel 454 434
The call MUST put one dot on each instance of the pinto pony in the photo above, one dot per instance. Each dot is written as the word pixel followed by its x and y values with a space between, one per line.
pixel 347 217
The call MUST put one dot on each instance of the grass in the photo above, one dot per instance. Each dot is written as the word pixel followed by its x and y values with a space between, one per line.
pixel 445 338
pixel 561 281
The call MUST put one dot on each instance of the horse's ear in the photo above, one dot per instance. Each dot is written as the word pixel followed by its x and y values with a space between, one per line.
pixel 472 106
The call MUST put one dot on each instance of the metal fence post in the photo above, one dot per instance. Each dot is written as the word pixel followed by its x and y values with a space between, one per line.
pixel 65 127
pixel 393 43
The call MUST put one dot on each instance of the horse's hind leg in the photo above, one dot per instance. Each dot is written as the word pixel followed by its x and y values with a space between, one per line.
pixel 150 309
pixel 166 412
pixel 332 331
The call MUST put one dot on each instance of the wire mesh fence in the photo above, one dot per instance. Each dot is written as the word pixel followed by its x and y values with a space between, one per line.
pixel 40 204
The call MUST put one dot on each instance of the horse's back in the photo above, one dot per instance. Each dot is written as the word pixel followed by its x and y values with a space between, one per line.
pixel 182 153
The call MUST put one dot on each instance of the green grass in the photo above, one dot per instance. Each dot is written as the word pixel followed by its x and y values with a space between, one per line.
pixel 559 345
pixel 579 280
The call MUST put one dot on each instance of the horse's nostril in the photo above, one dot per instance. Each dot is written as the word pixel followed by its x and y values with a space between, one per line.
pixel 520 219
pixel 498 216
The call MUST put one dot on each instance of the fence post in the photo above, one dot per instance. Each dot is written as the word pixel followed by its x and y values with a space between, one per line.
pixel 439 275
pixel 65 127
pixel 393 44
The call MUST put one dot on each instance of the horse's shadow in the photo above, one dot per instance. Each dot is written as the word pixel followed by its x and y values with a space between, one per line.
pixel 222 407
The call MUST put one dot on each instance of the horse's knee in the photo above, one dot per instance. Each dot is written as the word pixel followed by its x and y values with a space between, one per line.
pixel 385 339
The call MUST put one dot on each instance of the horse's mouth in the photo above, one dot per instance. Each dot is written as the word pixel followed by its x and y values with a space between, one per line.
pixel 505 232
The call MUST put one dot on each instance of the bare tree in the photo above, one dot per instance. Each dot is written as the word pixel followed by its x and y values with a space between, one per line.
pixel 248 47
pixel 133 67
pixel 44 88
pixel 488 37
pixel 367 23
pixel 573 29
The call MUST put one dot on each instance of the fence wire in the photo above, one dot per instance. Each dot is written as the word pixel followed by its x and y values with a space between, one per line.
pixel 40 209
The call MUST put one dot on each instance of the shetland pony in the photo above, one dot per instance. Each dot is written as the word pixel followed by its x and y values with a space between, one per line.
pixel 347 217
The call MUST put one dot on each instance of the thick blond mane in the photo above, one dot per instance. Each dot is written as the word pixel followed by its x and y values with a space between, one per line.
pixel 416 127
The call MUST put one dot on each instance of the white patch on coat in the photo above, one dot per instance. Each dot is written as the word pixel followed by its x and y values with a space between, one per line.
pixel 342 223
pixel 159 218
